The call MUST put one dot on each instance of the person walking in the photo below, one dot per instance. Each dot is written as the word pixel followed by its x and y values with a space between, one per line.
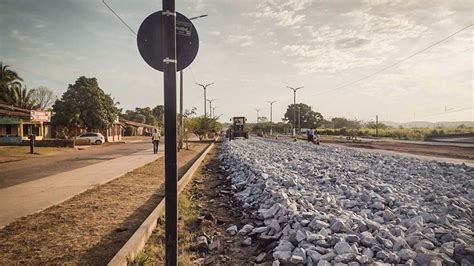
pixel 155 138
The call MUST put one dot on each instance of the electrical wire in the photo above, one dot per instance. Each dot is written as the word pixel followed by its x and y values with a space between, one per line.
pixel 123 21
pixel 396 63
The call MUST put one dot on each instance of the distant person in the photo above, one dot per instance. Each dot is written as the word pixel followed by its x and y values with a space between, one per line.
pixel 310 135
pixel 317 137
pixel 155 138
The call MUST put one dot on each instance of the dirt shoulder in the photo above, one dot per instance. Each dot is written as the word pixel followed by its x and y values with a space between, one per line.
pixel 17 153
pixel 206 209
pixel 91 227
pixel 429 150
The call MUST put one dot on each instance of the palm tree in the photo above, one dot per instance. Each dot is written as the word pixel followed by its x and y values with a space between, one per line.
pixel 8 79
pixel 20 97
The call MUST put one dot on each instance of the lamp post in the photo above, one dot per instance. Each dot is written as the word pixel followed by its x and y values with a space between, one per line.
pixel 210 107
pixel 271 116
pixel 204 87
pixel 294 107
pixel 258 110
pixel 181 107
pixel 214 112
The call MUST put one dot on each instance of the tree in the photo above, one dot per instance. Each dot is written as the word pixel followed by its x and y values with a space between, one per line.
pixel 146 115
pixel 201 126
pixel 85 104
pixel 8 79
pixel 308 117
pixel 43 98
pixel 341 122
pixel 20 97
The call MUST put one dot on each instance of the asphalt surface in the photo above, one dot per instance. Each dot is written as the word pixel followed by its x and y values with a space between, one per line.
pixel 14 173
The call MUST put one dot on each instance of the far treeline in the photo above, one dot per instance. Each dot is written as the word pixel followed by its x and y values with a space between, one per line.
pixel 306 118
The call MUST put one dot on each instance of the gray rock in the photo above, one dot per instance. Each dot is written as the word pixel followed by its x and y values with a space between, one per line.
pixel 283 256
pixel 339 226
pixel 364 259
pixel 324 263
pixel 406 254
pixel 247 242
pixel 368 252
pixel 329 256
pixel 315 256
pixel 260 230
pixel 317 224
pixel 298 256
pixel 345 258
pixel 424 244
pixel 215 245
pixel 285 245
pixel 343 248
pixel 202 242
pixel 367 239
pixel 232 230
pixel 246 229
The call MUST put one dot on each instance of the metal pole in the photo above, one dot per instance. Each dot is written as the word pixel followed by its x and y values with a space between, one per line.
pixel 271 116
pixel 377 126
pixel 299 120
pixel 169 82
pixel 294 106
pixel 181 126
pixel 205 110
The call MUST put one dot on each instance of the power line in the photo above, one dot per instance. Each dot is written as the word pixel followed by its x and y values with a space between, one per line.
pixel 123 21
pixel 398 62
pixel 452 111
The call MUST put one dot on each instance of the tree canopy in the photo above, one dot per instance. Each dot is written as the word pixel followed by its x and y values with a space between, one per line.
pixel 85 104
pixel 146 115
pixel 308 117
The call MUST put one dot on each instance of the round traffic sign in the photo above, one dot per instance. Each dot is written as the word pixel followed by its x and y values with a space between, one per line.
pixel 150 41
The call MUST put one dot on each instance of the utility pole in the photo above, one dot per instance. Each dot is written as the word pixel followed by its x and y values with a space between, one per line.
pixel 214 112
pixel 299 120
pixel 204 87
pixel 181 125
pixel 294 107
pixel 258 110
pixel 171 156
pixel 271 116
pixel 377 126
pixel 210 107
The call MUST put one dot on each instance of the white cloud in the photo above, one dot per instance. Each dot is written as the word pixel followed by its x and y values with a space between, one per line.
pixel 39 26
pixel 282 12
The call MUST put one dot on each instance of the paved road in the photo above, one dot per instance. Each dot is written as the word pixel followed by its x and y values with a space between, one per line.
pixel 13 173
pixel 29 197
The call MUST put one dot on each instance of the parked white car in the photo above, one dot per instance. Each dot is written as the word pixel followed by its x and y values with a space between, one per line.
pixel 95 138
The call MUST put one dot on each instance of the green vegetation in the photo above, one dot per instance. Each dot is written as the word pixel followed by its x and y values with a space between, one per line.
pixel 13 92
pixel 305 116
pixel 147 115
pixel 396 133
pixel 85 104
pixel 201 126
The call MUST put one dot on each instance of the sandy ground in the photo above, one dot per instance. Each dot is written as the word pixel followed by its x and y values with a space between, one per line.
pixel 91 227
pixel 206 209
pixel 17 153
pixel 430 150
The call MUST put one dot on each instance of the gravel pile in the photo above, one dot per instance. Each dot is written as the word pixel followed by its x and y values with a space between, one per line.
pixel 323 205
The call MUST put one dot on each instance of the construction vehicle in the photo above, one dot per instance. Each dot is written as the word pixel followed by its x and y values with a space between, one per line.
pixel 237 129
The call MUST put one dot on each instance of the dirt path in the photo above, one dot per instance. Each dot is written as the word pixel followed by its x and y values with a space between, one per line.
pixel 206 208
pixel 429 150
pixel 91 227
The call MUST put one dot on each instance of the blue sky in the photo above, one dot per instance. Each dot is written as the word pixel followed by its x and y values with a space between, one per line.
pixel 253 49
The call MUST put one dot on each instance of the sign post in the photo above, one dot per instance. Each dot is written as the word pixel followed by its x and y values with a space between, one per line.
pixel 168 42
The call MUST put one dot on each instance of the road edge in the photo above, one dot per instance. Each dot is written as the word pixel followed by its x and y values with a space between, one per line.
pixel 138 240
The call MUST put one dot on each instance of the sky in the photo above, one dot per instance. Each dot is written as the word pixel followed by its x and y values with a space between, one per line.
pixel 252 50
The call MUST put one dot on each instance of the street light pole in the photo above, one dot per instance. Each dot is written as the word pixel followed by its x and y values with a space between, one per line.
pixel 299 120
pixel 210 107
pixel 204 87
pixel 271 116
pixel 258 110
pixel 181 124
pixel 294 107
pixel 214 112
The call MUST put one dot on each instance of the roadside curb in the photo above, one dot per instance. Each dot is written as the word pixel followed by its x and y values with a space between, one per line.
pixel 138 240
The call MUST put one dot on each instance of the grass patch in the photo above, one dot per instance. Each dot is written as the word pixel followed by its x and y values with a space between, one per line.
pixel 188 211
pixel 25 151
